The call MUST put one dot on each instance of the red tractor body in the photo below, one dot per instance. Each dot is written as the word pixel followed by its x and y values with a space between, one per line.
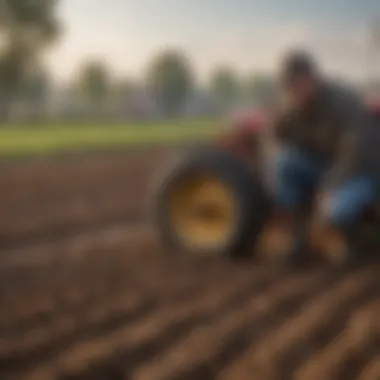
pixel 244 128
pixel 241 135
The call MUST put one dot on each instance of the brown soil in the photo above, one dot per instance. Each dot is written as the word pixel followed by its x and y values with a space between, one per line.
pixel 87 292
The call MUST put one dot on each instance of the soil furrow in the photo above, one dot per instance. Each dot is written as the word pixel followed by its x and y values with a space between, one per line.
pixel 216 293
pixel 356 335
pixel 199 355
pixel 87 292
pixel 268 357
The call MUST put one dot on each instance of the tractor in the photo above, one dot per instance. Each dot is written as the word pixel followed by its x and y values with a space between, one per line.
pixel 214 199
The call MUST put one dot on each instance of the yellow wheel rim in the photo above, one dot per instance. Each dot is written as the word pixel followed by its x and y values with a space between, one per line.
pixel 202 211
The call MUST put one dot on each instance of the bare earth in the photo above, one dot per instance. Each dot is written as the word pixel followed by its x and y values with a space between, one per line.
pixel 87 292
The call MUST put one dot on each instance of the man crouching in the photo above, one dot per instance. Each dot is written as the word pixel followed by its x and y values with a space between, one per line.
pixel 329 146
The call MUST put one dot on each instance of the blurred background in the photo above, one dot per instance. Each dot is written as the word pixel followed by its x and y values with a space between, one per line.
pixel 67 63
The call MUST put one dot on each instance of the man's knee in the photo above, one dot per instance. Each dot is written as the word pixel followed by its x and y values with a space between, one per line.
pixel 340 214
pixel 348 202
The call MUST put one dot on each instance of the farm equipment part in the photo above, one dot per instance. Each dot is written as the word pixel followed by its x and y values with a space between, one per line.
pixel 214 200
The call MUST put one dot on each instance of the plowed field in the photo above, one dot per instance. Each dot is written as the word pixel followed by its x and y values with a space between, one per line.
pixel 88 293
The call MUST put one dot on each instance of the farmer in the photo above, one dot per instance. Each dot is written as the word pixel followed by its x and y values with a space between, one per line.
pixel 327 144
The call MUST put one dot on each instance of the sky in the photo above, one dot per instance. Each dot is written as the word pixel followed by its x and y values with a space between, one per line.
pixel 250 35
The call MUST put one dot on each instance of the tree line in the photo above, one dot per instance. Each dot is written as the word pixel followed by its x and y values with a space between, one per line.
pixel 28 28
pixel 171 79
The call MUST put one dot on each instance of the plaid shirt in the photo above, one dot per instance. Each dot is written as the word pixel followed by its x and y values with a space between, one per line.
pixel 337 129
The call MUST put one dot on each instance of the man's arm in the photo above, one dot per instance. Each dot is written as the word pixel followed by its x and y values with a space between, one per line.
pixel 354 121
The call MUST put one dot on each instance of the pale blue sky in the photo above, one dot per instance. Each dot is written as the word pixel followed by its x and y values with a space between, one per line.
pixel 247 33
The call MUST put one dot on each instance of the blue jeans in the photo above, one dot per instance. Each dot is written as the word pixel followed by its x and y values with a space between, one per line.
pixel 297 175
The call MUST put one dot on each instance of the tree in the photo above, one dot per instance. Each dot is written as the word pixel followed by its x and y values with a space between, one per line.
pixel 33 94
pixel 31 21
pixel 26 28
pixel 170 78
pixel 225 86
pixel 36 86
pixel 94 82
pixel 260 88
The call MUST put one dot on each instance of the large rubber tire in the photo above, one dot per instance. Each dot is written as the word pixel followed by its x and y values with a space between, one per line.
pixel 250 201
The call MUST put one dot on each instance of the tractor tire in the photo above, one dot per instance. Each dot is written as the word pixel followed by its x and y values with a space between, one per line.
pixel 238 207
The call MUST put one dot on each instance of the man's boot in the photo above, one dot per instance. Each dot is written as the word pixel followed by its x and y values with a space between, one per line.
pixel 295 250
pixel 344 248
